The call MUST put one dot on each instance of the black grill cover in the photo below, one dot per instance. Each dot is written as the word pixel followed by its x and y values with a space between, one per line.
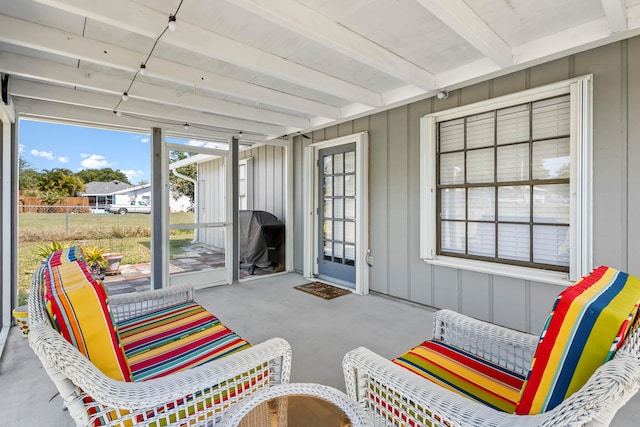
pixel 260 234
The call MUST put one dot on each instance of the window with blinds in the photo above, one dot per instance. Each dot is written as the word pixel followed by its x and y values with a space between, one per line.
pixel 503 185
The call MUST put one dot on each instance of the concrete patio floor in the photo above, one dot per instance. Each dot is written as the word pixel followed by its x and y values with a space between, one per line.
pixel 319 331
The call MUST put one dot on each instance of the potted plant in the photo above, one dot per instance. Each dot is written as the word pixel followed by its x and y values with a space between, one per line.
pixel 44 250
pixel 94 257
pixel 112 260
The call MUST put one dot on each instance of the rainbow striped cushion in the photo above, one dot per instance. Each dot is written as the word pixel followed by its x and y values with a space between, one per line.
pixel 175 339
pixel 588 323
pixel 464 373
pixel 79 309
pixel 66 255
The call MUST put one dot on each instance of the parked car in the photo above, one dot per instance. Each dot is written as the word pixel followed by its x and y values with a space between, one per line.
pixel 140 206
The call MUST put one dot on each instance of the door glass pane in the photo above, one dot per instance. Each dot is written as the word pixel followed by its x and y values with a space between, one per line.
pixel 338 249
pixel 328 233
pixel 452 203
pixel 350 208
pixel 328 208
pixel 328 164
pixel 452 236
pixel 338 208
pixel 482 239
pixel 350 232
pixel 350 185
pixel 338 185
pixel 327 250
pixel 338 230
pixel 350 162
pixel 338 163
pixel 349 254
pixel 328 186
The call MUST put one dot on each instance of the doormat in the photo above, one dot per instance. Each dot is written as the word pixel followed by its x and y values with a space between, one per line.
pixel 322 290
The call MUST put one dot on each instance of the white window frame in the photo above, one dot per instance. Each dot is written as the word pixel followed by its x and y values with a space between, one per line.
pixel 581 153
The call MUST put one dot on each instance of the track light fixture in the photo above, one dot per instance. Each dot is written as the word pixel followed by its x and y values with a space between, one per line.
pixel 143 69
pixel 125 96
pixel 173 25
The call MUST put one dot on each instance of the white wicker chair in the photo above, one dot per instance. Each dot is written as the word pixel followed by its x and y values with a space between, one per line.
pixel 395 396
pixel 89 394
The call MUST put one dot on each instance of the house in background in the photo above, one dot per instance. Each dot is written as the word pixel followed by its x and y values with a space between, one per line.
pixel 102 194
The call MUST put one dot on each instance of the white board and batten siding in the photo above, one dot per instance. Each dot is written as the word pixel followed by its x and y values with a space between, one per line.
pixel 394 190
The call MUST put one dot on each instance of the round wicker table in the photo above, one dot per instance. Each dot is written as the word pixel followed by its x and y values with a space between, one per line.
pixel 298 404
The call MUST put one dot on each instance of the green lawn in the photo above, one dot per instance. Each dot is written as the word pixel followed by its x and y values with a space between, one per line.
pixel 128 234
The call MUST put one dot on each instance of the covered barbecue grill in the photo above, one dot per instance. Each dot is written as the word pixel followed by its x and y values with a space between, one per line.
pixel 261 239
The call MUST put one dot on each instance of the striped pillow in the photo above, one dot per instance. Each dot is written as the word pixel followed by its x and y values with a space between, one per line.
pixel 464 373
pixel 66 255
pixel 588 323
pixel 79 309
pixel 175 339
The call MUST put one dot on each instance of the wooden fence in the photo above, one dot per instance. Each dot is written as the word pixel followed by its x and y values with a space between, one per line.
pixel 29 204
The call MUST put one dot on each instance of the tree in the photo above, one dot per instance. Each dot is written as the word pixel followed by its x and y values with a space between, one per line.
pixel 102 175
pixel 180 186
pixel 27 176
pixel 60 181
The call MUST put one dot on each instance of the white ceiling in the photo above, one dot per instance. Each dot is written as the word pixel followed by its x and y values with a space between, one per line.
pixel 271 68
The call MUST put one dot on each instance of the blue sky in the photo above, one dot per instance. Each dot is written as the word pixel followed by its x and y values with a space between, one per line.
pixel 52 145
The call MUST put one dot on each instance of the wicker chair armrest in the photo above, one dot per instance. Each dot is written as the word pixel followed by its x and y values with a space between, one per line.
pixel 217 385
pixel 134 304
pixel 395 396
pixel 506 347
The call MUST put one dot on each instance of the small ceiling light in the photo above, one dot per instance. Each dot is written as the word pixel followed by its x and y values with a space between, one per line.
pixel 186 126
pixel 143 69
pixel 117 113
pixel 125 96
pixel 240 134
pixel 173 25
pixel 443 94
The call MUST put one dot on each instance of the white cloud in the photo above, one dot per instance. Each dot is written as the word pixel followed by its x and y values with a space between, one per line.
pixel 142 138
pixel 62 159
pixel 84 155
pixel 145 139
pixel 20 148
pixel 46 154
pixel 131 174
pixel 95 161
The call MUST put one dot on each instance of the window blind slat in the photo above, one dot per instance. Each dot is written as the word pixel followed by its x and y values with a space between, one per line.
pixel 451 135
pixel 481 201
pixel 551 245
pixel 452 168
pixel 452 236
pixel 513 124
pixel 551 117
pixel 513 242
pixel 513 163
pixel 480 130
pixel 550 159
pixel 480 166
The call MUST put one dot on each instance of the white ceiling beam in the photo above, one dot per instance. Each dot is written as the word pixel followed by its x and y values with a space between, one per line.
pixel 133 17
pixel 71 114
pixel 151 112
pixel 616 11
pixel 467 24
pixel 27 34
pixel 23 66
pixel 303 20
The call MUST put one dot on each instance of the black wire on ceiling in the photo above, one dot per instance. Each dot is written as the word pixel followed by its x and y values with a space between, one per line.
pixel 143 65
